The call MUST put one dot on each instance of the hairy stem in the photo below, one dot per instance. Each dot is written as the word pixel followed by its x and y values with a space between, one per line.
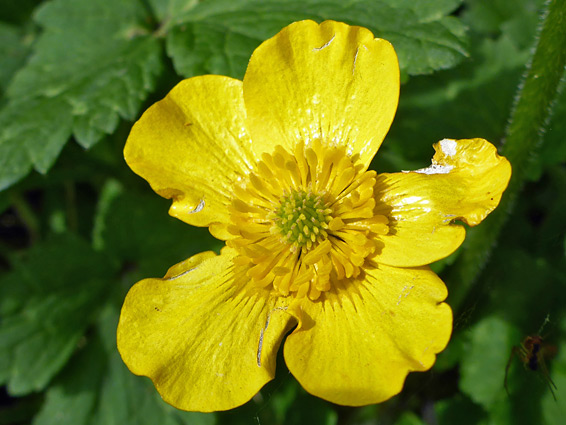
pixel 529 118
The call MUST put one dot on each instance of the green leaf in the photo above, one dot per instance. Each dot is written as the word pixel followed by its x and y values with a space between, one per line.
pixel 15 163
pixel 529 119
pixel 218 36
pixel 97 389
pixel 471 100
pixel 135 227
pixel 72 398
pixel 283 398
pixel 526 278
pixel 165 10
pixel 46 303
pixel 94 64
pixel 13 52
pixel 554 411
pixel 311 410
pixel 496 17
pixel 450 357
pixel 409 418
pixel 483 364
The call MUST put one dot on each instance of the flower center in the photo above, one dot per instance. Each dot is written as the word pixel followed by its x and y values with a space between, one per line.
pixel 302 218
pixel 303 222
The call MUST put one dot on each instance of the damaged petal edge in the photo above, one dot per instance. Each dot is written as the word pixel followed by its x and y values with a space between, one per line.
pixel 262 332
pixel 324 46
pixel 448 147
pixel 180 274
pixel 435 169
pixel 199 207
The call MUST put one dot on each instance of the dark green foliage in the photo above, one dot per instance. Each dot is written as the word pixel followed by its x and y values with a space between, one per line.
pixel 94 63
pixel 46 306
pixel 219 36
pixel 77 232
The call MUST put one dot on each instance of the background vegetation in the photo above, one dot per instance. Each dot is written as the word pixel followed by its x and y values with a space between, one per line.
pixel 78 228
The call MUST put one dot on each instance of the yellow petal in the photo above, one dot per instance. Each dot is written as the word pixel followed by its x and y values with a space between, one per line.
pixel 465 182
pixel 206 339
pixel 331 82
pixel 192 145
pixel 356 346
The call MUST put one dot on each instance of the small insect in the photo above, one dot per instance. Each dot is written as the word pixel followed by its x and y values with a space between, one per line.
pixel 533 352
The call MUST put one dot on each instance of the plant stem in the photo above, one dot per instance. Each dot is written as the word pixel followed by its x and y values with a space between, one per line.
pixel 27 215
pixel 529 118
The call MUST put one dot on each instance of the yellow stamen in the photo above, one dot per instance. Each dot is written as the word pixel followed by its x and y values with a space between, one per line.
pixel 305 220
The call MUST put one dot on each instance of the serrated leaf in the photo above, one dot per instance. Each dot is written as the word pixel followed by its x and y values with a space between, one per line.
pixel 98 389
pixel 46 302
pixel 94 63
pixel 218 36
pixel 44 122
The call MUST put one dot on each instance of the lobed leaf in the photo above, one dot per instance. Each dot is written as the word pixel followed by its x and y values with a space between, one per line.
pixel 94 63
pixel 218 36
pixel 46 303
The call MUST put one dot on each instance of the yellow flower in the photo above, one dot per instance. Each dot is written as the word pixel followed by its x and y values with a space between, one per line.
pixel 277 166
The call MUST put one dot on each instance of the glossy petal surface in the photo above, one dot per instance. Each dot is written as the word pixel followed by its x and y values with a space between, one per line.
pixel 276 166
pixel 357 345
pixel 465 182
pixel 192 146
pixel 330 82
pixel 196 333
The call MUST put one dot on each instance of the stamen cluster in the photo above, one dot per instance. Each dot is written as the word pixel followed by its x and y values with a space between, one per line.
pixel 304 221
pixel 302 218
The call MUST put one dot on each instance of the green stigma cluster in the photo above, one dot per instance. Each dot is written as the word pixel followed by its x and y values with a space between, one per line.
pixel 302 218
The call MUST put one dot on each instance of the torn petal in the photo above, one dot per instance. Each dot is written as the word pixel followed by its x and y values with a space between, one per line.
pixel 448 148
pixel 465 182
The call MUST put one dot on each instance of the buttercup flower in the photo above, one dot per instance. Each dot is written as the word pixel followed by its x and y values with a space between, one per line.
pixel 276 165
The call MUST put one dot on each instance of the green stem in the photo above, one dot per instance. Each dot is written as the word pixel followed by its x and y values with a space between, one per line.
pixel 27 215
pixel 529 119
